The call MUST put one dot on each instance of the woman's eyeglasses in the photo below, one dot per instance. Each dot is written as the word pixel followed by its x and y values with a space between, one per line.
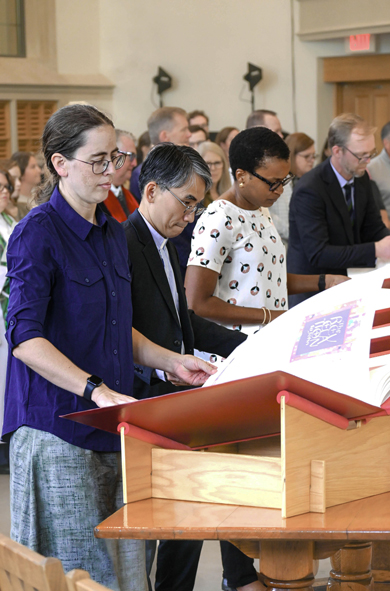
pixel 276 184
pixel 8 188
pixel 218 164
pixel 100 166
pixel 132 155
pixel 308 157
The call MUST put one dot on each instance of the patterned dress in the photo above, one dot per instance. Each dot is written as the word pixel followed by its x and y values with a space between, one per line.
pixel 245 249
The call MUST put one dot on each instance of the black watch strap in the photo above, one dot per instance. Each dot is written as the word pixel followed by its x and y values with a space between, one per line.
pixel 92 383
pixel 321 282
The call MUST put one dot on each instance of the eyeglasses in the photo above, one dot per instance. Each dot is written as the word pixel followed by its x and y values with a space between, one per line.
pixel 308 156
pixel 101 166
pixel 365 157
pixel 9 188
pixel 216 165
pixel 132 155
pixel 276 184
pixel 198 209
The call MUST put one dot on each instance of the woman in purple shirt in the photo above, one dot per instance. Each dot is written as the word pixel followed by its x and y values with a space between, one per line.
pixel 71 348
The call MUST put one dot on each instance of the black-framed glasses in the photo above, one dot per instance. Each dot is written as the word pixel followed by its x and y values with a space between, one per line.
pixel 132 155
pixel 9 188
pixel 100 166
pixel 276 184
pixel 197 209
pixel 365 157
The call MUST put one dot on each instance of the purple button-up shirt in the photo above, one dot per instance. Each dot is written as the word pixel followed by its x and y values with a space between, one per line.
pixel 70 284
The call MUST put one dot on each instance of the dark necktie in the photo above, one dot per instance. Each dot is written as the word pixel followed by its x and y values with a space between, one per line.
pixel 349 201
pixel 122 201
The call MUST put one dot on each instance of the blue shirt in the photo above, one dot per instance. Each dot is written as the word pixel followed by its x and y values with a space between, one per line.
pixel 70 284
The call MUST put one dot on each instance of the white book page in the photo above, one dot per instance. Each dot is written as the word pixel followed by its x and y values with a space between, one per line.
pixel 325 340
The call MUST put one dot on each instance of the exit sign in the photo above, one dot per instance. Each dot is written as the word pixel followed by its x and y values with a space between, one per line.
pixel 362 43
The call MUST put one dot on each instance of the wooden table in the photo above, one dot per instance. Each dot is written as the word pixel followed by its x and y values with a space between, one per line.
pixel 289 547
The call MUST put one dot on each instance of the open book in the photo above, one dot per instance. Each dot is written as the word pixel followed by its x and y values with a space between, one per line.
pixel 338 339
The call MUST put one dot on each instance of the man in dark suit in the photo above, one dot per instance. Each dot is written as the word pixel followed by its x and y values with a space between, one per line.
pixel 334 220
pixel 173 182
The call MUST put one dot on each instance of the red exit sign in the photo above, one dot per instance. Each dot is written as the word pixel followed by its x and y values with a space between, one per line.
pixel 364 42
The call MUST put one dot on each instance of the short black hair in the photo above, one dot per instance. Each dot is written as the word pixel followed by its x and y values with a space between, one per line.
pixel 258 117
pixel 252 147
pixel 385 131
pixel 169 165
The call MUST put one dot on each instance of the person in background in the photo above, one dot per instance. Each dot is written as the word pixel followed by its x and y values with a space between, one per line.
pixel 265 118
pixel 143 146
pixel 335 223
pixel 7 224
pixel 166 124
pixel 13 169
pixel 216 161
pixel 198 136
pixel 379 168
pixel 30 179
pixel 72 347
pixel 120 203
pixel 199 118
pixel 326 151
pixel 224 139
pixel 303 157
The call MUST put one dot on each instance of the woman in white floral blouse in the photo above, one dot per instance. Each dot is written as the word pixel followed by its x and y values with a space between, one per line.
pixel 236 272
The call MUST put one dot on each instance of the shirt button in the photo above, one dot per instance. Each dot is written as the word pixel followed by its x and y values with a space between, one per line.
pixel 113 321
pixel 104 263
pixel 117 382
pixel 176 343
pixel 113 293
pixel 86 280
pixel 115 352
pixel 12 322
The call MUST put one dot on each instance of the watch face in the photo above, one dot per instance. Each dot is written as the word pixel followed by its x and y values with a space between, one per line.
pixel 95 380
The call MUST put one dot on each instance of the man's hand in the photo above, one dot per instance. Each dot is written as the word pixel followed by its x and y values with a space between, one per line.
pixel 190 371
pixel 332 280
pixel 382 249
pixel 102 396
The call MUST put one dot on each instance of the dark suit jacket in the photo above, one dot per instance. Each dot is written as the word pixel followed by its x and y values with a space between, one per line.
pixel 322 239
pixel 154 312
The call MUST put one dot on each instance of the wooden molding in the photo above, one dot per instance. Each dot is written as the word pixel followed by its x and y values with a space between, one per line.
pixel 357 68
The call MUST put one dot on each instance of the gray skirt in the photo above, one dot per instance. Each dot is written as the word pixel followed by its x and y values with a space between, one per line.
pixel 59 493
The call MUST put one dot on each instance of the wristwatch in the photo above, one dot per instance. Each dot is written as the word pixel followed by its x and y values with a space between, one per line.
pixel 92 383
pixel 321 282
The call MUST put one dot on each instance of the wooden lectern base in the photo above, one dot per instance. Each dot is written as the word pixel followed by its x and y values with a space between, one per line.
pixel 288 548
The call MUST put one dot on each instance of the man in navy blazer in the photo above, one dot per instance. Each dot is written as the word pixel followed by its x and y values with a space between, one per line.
pixel 173 182
pixel 335 223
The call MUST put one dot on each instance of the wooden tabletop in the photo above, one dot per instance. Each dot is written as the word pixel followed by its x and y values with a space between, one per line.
pixel 367 519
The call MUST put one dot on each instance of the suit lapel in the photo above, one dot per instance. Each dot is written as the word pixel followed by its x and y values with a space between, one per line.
pixel 336 196
pixel 154 261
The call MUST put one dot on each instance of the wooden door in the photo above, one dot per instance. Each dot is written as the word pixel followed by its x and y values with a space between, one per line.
pixel 370 100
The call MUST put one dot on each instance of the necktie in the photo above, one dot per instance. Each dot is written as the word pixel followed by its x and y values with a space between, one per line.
pixel 349 201
pixel 122 201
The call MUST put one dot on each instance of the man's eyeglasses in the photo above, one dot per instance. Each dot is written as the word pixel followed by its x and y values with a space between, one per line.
pixel 132 155
pixel 8 188
pixel 198 209
pixel 276 184
pixel 100 166
pixel 365 157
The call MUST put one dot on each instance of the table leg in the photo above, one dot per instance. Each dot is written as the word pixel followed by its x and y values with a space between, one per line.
pixel 351 568
pixel 288 565
pixel 380 564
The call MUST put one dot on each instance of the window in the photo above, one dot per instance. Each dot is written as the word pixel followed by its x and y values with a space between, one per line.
pixel 5 130
pixel 32 117
pixel 12 35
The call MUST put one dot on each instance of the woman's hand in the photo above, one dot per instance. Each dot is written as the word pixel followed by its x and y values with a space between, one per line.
pixel 190 371
pixel 102 396
pixel 332 280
